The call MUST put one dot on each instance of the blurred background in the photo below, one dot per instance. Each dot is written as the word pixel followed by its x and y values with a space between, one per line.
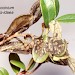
pixel 22 7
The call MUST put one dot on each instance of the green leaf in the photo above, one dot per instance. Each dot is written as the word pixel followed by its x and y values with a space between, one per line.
pixel 37 58
pixel 31 64
pixel 1 73
pixel 14 56
pixel 57 7
pixel 15 69
pixel 49 9
pixel 18 64
pixel 67 18
pixel 5 72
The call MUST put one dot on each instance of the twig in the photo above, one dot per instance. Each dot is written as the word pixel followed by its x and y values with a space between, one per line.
pixel 15 47
pixel 13 36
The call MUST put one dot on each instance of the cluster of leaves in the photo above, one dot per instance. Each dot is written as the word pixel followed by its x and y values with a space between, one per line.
pixel 16 63
pixel 18 66
pixel 50 10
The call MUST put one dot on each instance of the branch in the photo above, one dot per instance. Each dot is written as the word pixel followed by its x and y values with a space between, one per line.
pixel 16 47
pixel 23 46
